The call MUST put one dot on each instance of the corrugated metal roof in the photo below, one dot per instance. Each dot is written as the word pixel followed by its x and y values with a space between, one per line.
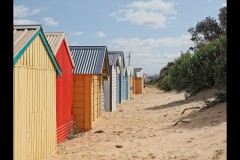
pixel 137 69
pixel 120 53
pixel 113 58
pixel 88 59
pixel 138 72
pixel 55 39
pixel 21 35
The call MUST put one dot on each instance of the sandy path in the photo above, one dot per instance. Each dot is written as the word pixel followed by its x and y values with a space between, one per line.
pixel 144 127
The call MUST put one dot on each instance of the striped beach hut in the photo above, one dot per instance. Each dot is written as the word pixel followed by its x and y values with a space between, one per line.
pixel 64 84
pixel 35 70
pixel 127 83
pixel 120 76
pixel 110 100
pixel 91 67
pixel 131 81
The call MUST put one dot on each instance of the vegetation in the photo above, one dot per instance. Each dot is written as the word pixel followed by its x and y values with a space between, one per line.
pixel 164 77
pixel 205 66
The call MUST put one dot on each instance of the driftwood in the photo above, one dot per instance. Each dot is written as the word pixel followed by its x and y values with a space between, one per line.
pixel 99 131
pixel 190 108
pixel 119 146
pixel 180 121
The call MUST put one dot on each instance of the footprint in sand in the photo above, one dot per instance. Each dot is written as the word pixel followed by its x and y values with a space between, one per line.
pixel 217 154
pixel 151 155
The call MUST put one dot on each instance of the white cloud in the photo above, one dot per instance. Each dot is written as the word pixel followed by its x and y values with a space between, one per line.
pixel 76 33
pixel 23 22
pixel 151 43
pixel 224 4
pixel 100 34
pixel 153 13
pixel 151 52
pixel 50 21
pixel 152 5
pixel 21 11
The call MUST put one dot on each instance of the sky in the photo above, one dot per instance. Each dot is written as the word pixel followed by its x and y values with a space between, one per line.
pixel 152 32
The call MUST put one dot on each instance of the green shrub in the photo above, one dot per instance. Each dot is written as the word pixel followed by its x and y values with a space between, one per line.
pixel 165 84
pixel 180 73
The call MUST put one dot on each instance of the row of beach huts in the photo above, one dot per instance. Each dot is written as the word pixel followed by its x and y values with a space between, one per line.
pixel 58 88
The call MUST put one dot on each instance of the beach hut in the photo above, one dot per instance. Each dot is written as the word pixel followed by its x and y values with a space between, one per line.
pixel 138 80
pixel 131 81
pixel 64 85
pixel 127 83
pixel 110 100
pixel 35 70
pixel 91 66
pixel 120 75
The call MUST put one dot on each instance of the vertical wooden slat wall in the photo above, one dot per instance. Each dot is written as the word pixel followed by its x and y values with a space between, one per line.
pixel 107 96
pixel 123 88
pixel 100 95
pixel 79 101
pixel 131 86
pixel 34 104
pixel 118 88
pixel 86 100
pixel 103 96
pixel 64 94
pixel 138 85
pixel 97 96
pixel 127 85
pixel 110 87
pixel 114 88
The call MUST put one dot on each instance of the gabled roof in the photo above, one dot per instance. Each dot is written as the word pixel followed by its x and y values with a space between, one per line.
pixel 55 39
pixel 120 53
pixel 23 36
pixel 127 71
pixel 137 69
pixel 89 59
pixel 113 59
pixel 137 72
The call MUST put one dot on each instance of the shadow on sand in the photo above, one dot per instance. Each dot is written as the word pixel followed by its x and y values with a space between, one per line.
pixel 197 97
pixel 174 104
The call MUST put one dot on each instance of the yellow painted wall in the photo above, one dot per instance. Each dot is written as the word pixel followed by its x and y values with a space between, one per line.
pixel 131 85
pixel 34 110
pixel 97 96
pixel 86 100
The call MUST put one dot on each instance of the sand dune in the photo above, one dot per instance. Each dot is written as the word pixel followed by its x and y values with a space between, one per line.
pixel 143 128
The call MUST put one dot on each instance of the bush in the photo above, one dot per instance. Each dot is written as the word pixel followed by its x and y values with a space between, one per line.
pixel 205 68
pixel 180 73
pixel 220 68
pixel 165 84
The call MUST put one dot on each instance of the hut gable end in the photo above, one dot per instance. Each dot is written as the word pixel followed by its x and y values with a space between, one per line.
pixel 24 36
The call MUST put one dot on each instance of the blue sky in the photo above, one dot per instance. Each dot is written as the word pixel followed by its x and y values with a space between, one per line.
pixel 154 31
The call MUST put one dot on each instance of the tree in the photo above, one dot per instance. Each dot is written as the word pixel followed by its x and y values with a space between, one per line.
pixel 205 31
pixel 222 17
pixel 164 77
pixel 164 70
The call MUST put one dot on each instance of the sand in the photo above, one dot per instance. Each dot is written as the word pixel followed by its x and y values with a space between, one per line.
pixel 143 128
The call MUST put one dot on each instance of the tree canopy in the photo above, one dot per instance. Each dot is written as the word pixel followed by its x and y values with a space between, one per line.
pixel 209 29
pixel 206 66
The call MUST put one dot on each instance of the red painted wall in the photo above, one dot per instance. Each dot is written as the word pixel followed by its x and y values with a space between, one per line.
pixel 64 88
